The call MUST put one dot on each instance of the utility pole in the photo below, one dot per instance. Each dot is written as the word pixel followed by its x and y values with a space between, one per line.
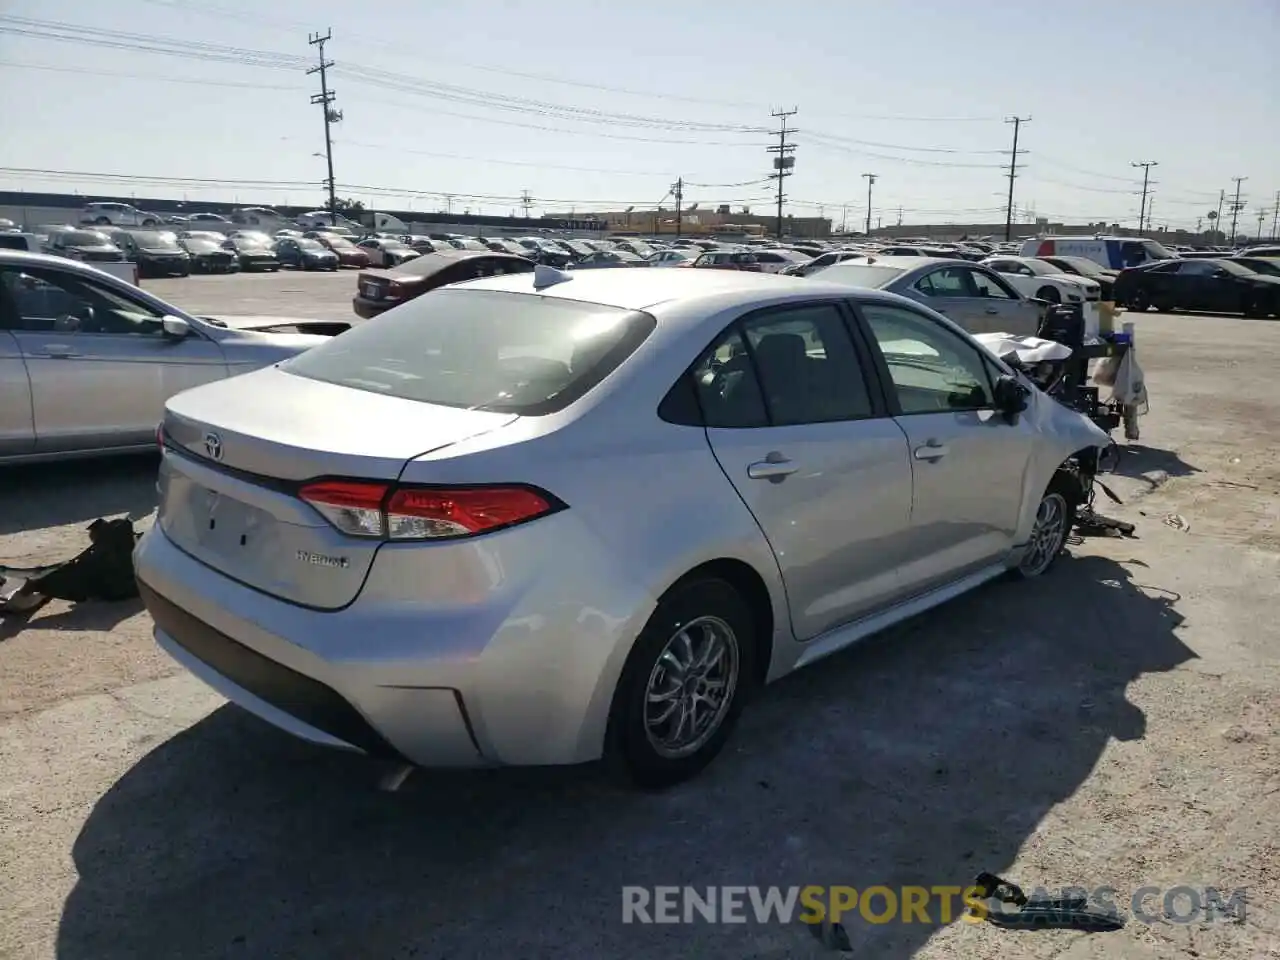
pixel 899 216
pixel 1151 202
pixel 785 161
pixel 1013 172
pixel 1275 215
pixel 677 191
pixel 1236 207
pixel 1146 166
pixel 871 179
pixel 844 218
pixel 1262 216
pixel 526 202
pixel 325 98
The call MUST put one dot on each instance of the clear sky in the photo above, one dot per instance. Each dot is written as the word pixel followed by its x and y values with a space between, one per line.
pixel 597 104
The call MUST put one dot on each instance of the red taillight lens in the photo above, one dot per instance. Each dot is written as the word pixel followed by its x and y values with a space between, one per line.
pixel 353 507
pixel 160 434
pixel 362 509
pixel 416 513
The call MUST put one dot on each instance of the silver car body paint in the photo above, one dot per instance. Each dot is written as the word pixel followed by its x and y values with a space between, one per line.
pixel 506 648
pixel 72 393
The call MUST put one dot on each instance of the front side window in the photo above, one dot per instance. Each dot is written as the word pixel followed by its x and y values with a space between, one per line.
pixel 933 370
pixel 481 350
pixel 49 301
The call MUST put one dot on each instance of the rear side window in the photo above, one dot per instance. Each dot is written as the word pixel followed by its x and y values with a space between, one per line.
pixel 481 350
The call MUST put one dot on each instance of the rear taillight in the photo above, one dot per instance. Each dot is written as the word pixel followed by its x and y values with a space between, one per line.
pixel 160 434
pixel 387 511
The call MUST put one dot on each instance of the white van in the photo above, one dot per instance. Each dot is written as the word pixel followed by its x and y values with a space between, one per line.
pixel 1114 252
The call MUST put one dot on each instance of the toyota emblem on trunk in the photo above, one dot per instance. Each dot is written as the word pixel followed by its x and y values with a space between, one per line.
pixel 213 446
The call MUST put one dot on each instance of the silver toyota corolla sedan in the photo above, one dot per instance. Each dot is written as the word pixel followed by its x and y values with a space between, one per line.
pixel 973 296
pixel 552 517
pixel 88 360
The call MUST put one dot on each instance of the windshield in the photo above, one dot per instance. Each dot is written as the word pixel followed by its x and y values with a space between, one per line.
pixel 481 350
pixel 156 241
pixel 249 243
pixel 859 274
pixel 339 243
pixel 1261 265
pixel 84 238
pixel 199 245
pixel 253 235
pixel 311 245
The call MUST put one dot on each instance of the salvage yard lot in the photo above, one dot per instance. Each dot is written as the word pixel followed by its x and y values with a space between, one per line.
pixel 1112 724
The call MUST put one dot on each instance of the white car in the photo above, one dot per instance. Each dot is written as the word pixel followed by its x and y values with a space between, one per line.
pixel 672 258
pixel 775 261
pixel 117 215
pixel 1044 281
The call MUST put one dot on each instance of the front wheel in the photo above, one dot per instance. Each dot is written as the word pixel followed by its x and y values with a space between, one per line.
pixel 683 686
pixel 1055 515
pixel 1049 293
pixel 1258 307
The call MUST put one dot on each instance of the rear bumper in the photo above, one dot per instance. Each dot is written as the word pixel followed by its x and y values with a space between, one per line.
pixel 525 684
pixel 368 309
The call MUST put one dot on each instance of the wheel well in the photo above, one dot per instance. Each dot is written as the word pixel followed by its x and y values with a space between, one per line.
pixel 743 578
pixel 1048 293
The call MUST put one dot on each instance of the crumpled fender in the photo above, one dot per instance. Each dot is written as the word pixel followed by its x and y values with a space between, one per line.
pixel 1059 433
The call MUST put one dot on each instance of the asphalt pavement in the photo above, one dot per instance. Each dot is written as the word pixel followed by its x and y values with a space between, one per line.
pixel 1113 723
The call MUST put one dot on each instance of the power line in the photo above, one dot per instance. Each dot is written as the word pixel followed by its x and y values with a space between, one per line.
pixel 153 77
pixel 785 161
pixel 1013 172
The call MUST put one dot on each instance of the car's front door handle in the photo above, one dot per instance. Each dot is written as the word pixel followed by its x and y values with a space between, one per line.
pixel 59 351
pixel 932 450
pixel 773 467
pixel 993 310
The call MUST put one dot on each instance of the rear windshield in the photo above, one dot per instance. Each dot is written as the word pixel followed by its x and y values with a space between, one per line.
pixel 481 350
pixel 85 238
pixel 858 274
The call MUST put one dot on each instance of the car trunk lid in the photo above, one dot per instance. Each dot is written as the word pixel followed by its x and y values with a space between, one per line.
pixel 238 453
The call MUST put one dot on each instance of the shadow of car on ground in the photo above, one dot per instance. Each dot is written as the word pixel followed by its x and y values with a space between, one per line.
pixel 76 491
pixel 921 756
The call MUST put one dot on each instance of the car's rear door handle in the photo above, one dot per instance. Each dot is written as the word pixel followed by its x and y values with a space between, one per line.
pixel 993 310
pixel 931 450
pixel 774 467
pixel 59 351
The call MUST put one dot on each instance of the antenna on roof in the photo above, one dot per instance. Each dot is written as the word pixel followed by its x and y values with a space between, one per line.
pixel 545 276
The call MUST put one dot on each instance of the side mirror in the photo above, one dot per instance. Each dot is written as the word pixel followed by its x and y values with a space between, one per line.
pixel 1010 397
pixel 175 327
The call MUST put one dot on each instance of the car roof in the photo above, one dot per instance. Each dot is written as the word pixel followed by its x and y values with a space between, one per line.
pixel 643 289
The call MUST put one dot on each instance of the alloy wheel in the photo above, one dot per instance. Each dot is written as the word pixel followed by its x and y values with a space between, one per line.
pixel 691 687
pixel 1047 535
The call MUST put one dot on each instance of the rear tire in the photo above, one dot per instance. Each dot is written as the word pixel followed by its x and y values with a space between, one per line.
pixel 1139 302
pixel 103 221
pixel 696 653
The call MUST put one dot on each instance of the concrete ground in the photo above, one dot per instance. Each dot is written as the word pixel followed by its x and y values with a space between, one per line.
pixel 1112 724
